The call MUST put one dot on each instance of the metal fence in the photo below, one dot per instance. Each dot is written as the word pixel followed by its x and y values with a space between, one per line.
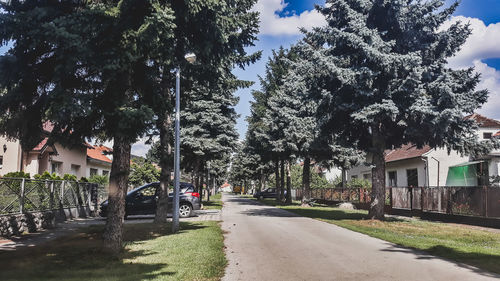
pixel 30 195
pixel 453 200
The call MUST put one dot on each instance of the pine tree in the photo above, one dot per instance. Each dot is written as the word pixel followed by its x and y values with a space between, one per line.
pixel 293 113
pixel 382 80
pixel 79 65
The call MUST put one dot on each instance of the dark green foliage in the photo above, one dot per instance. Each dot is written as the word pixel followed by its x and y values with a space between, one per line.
pixel 101 180
pixel 47 176
pixel 20 174
pixel 142 172
pixel 379 72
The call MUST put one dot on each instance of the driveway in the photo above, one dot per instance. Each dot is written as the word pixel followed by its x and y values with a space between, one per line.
pixel 267 243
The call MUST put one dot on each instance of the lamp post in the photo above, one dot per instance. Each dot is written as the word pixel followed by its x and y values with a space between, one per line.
pixel 191 58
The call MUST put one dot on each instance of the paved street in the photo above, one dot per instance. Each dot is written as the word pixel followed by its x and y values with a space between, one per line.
pixel 267 243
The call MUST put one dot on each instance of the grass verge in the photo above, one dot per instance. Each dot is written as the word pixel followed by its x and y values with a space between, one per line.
pixel 215 202
pixel 195 253
pixel 460 243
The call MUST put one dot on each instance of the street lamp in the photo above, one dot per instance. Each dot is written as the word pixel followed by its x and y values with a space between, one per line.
pixel 191 58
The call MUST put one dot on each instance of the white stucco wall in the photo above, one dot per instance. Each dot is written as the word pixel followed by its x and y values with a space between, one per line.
pixel 438 177
pixel 99 166
pixel 358 171
pixel 333 173
pixel 400 167
pixel 30 163
pixel 68 157
pixel 11 157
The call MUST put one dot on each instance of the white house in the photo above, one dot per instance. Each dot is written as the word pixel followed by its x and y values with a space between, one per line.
pixel 426 166
pixel 98 161
pixel 410 165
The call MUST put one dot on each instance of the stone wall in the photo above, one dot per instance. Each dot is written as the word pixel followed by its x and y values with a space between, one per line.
pixel 17 224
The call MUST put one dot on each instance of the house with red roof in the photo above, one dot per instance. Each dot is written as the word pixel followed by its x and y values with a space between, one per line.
pixel 410 165
pixel 80 160
pixel 99 160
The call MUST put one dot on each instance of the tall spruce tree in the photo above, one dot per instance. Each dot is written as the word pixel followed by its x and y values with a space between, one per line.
pixel 382 80
pixel 80 66
pixel 293 113
pixel 201 27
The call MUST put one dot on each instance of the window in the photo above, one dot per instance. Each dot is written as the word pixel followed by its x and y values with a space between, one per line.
pixel 75 169
pixel 354 177
pixel 393 179
pixel 1 162
pixel 105 173
pixel 367 177
pixel 93 172
pixel 487 136
pixel 55 167
pixel 412 176
pixel 148 191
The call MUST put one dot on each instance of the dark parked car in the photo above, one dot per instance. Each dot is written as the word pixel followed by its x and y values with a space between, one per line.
pixel 267 193
pixel 142 200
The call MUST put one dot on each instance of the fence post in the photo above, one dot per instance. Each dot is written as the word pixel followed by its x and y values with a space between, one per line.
pixel 411 199
pixel 390 196
pixel 422 190
pixel 21 199
pixel 51 198
pixel 62 192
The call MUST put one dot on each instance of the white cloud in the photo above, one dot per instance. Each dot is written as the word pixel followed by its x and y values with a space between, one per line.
pixel 482 44
pixel 272 24
pixel 490 79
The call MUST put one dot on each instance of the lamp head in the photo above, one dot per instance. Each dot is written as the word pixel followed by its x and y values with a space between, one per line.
pixel 190 57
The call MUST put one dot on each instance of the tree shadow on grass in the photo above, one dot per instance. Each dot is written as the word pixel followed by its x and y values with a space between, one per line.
pixel 473 261
pixel 80 257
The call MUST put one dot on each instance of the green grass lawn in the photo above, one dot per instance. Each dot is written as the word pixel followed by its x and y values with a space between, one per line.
pixel 460 243
pixel 195 253
pixel 215 202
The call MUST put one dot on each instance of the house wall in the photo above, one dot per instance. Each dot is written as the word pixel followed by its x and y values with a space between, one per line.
pixel 358 172
pixel 333 173
pixel 68 157
pixel 100 166
pixel 30 163
pixel 491 130
pixel 401 166
pixel 437 177
pixel 11 157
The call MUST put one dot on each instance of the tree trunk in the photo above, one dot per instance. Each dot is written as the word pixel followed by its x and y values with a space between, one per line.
pixel 306 184
pixel 282 184
pixel 378 177
pixel 118 182
pixel 277 177
pixel 202 181
pixel 166 168
pixel 197 176
pixel 288 184
pixel 262 181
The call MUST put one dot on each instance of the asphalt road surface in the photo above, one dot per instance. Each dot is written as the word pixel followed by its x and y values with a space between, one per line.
pixel 267 243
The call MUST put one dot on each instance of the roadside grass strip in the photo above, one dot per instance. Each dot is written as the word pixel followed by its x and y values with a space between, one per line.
pixel 215 202
pixel 151 253
pixel 465 244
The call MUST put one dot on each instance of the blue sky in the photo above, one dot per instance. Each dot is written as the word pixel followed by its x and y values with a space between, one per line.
pixel 485 11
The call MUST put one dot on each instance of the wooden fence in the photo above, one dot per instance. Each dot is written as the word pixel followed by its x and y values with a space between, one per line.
pixel 457 200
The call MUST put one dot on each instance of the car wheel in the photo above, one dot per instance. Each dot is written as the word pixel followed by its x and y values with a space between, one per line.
pixel 185 211
pixel 261 197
